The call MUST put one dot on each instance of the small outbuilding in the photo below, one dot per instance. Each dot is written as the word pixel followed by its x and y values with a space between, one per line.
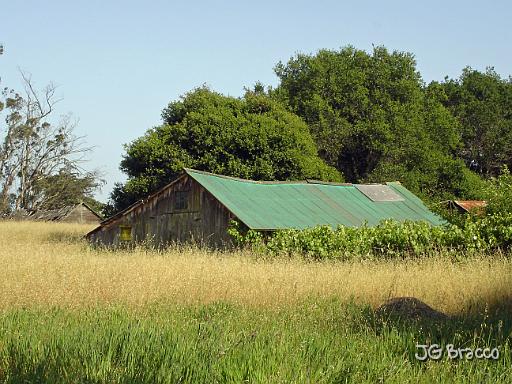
pixel 80 213
pixel 467 206
pixel 199 206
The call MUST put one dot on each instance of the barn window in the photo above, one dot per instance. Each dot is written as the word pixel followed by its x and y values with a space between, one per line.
pixel 181 200
pixel 125 232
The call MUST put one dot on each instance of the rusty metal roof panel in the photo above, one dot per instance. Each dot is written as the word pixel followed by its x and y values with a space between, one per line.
pixel 269 206
pixel 471 205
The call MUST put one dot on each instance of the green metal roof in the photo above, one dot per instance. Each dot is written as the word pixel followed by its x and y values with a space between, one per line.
pixel 280 205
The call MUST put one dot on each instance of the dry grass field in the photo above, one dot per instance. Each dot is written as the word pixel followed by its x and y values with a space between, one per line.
pixel 49 264
pixel 69 313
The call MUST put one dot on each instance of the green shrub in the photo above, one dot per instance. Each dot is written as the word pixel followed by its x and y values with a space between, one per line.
pixel 389 238
pixel 499 193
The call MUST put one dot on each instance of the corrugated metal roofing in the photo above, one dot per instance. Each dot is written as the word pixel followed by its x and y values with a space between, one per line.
pixel 278 205
pixel 379 192
pixel 469 205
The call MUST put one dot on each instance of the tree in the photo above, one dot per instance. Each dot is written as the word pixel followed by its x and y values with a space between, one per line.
pixel 354 103
pixel 373 119
pixel 34 150
pixel 499 193
pixel 482 103
pixel 66 188
pixel 252 137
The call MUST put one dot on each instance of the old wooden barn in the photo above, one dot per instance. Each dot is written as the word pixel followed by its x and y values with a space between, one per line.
pixel 80 213
pixel 199 206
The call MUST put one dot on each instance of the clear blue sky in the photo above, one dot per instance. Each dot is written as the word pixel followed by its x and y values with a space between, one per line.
pixel 118 63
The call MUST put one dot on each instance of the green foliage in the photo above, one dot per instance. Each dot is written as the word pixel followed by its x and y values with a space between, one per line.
pixel 66 188
pixel 482 102
pixel 374 120
pixel 253 137
pixel 242 236
pixel 318 341
pixel 369 116
pixel 353 102
pixel 499 193
pixel 389 238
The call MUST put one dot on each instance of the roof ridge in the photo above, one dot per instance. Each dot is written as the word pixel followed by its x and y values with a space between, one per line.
pixel 90 209
pixel 321 182
pixel 267 182
pixel 277 182
pixel 190 170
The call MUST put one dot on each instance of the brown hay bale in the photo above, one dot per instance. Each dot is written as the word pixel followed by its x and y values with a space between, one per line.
pixel 409 308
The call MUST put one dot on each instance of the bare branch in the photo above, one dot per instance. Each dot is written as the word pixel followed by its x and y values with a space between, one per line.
pixel 34 149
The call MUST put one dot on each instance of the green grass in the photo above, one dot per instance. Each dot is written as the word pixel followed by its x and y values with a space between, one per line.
pixel 312 342
pixel 69 314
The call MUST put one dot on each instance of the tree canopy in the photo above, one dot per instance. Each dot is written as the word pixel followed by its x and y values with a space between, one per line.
pixel 336 114
pixel 67 187
pixel 482 104
pixel 252 137
pixel 373 118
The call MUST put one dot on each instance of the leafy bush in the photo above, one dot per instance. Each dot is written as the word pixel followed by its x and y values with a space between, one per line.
pixel 252 137
pixel 389 238
pixel 499 193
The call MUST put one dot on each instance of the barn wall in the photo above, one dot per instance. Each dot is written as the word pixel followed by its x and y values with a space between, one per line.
pixel 81 214
pixel 159 221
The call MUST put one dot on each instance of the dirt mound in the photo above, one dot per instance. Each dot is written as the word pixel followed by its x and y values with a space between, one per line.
pixel 409 308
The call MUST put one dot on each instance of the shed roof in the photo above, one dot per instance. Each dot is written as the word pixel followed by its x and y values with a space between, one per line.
pixel 60 214
pixel 470 205
pixel 280 205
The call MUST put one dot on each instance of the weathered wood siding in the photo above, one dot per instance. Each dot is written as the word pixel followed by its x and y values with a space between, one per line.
pixel 161 221
pixel 81 214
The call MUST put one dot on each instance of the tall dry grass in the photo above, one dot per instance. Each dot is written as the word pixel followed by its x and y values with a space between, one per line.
pixel 48 264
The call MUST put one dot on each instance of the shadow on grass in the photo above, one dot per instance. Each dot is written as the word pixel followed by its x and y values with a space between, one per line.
pixel 485 323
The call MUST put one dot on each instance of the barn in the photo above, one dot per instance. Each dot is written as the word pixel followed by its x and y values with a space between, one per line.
pixel 200 205
pixel 80 213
